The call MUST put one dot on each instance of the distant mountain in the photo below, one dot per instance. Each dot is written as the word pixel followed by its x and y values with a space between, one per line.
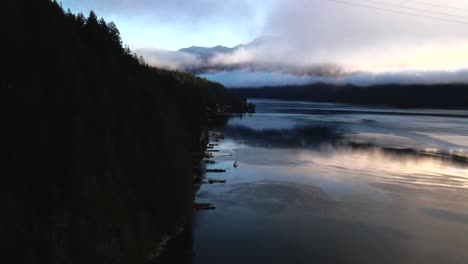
pixel 196 59
pixel 256 56
pixel 206 53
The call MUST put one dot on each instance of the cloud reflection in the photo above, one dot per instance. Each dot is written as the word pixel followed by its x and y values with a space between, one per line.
pixel 329 137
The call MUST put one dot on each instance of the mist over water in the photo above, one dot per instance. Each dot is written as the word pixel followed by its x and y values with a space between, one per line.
pixel 331 183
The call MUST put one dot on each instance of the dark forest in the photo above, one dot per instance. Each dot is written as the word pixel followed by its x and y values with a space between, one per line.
pixel 396 95
pixel 99 145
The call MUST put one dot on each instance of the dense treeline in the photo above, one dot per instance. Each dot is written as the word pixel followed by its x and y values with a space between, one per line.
pixel 407 96
pixel 98 144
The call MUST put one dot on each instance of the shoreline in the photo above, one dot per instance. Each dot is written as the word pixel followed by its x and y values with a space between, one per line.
pixel 216 121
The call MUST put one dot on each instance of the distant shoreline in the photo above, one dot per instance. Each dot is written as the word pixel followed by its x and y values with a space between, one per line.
pixel 444 96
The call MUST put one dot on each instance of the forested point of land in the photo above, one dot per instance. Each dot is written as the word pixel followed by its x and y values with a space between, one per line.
pixel 396 95
pixel 98 144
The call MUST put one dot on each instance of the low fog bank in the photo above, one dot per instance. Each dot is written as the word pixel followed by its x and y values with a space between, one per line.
pixel 270 61
pixel 248 79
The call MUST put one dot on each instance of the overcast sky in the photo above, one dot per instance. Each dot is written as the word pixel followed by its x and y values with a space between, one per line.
pixel 378 38
pixel 175 24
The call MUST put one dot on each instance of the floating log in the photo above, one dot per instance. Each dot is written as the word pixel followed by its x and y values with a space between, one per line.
pixel 212 150
pixel 211 181
pixel 215 170
pixel 208 161
pixel 225 155
pixel 203 206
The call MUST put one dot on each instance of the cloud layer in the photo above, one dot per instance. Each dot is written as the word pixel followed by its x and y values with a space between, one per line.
pixel 364 41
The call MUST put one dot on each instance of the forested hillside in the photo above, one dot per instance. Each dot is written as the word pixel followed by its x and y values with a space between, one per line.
pixel 406 96
pixel 98 144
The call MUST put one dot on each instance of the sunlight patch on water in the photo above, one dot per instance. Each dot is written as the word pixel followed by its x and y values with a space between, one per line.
pixel 375 165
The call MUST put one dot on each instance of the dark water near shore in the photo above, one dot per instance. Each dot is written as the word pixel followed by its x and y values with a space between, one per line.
pixel 330 183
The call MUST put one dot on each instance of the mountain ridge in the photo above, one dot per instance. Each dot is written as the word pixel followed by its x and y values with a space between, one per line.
pixel 210 52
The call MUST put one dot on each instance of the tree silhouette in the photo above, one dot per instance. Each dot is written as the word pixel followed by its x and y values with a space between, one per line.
pixel 114 34
pixel 99 145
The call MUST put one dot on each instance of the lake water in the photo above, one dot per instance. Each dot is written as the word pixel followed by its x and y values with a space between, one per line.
pixel 332 183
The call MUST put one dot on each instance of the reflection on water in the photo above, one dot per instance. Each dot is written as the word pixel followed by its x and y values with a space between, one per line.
pixel 327 183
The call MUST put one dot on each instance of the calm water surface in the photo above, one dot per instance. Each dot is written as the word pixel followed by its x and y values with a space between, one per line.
pixel 331 183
